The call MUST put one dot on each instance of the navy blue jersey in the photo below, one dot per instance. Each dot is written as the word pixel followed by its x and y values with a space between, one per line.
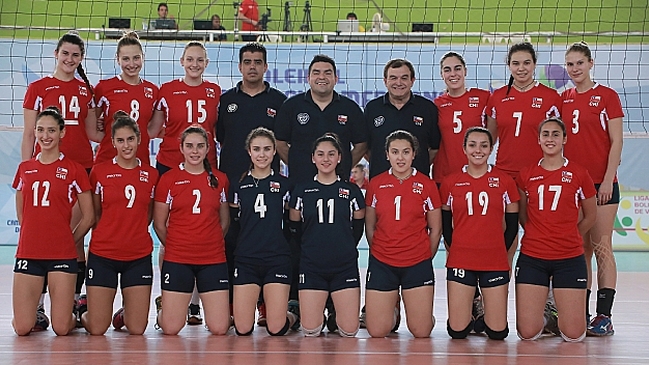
pixel 261 207
pixel 327 213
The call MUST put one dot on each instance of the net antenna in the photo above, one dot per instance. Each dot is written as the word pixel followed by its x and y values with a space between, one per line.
pixel 381 13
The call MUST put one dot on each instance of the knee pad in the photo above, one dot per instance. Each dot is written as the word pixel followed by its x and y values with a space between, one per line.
pixel 281 332
pixel 457 335
pixel 578 339
pixel 244 333
pixel 497 335
pixel 312 332
pixel 81 276
pixel 343 333
pixel 535 337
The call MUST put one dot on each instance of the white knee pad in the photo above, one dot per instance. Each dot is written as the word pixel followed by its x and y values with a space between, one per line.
pixel 342 332
pixel 535 337
pixel 578 339
pixel 312 332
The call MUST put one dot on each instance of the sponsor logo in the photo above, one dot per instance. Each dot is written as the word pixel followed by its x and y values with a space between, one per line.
pixel 311 190
pixel 386 186
pixel 499 278
pixel 210 93
pixel 343 193
pixel 378 121
pixel 303 118
pixel 182 182
pixel 147 276
pixel 120 91
pixel 281 276
pixel 537 102
pixel 31 171
pixel 83 91
pixel 271 112
pixel 473 101
pixel 418 120
pixel 566 176
pixel 223 281
pixel 582 280
pixel 534 178
pixel 463 184
pixel 113 176
pixel 493 181
pixel 148 92
pixel 54 87
pixel 508 98
pixel 144 176
pixel 446 105
pixel 61 173
pixel 342 119
pixel 568 101
pixel 274 187
pixel 594 100
pixel 351 280
pixel 181 92
pixel 232 108
pixel 428 282
pixel 246 186
pixel 61 266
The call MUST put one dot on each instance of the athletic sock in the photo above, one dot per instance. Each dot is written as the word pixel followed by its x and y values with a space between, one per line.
pixel 605 299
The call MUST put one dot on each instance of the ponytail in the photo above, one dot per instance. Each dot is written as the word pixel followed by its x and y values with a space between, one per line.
pixel 511 82
pixel 82 73
pixel 214 182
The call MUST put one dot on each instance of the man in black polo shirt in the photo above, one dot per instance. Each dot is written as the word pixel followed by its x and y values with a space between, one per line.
pixel 399 108
pixel 306 116
pixel 250 104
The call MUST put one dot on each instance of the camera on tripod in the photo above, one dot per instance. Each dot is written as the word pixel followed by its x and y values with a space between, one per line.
pixel 265 18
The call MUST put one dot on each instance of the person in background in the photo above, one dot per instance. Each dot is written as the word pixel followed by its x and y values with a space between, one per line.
pixel 163 14
pixel 352 16
pixel 216 25
pixel 359 177
pixel 249 16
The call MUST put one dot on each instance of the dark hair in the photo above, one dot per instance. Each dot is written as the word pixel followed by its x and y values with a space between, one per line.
pixel 54 112
pixel 478 130
pixel 560 122
pixel 397 63
pixel 194 44
pixel 335 141
pixel 215 16
pixel 253 47
pixel 258 132
pixel 452 54
pixel 123 120
pixel 519 47
pixel 161 5
pixel 73 37
pixel 214 182
pixel 351 15
pixel 129 38
pixel 581 47
pixel 404 135
pixel 322 58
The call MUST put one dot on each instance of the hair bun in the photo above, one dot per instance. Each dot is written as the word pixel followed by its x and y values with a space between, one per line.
pixel 131 34
pixel 120 114
pixel 54 109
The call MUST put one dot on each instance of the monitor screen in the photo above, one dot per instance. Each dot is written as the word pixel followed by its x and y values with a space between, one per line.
pixel 202 24
pixel 120 23
pixel 422 27
pixel 346 25
pixel 165 24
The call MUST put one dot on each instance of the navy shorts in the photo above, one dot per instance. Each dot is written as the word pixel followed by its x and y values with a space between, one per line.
pixel 486 279
pixel 275 271
pixel 383 277
pixel 42 267
pixel 346 278
pixel 565 273
pixel 615 197
pixel 182 277
pixel 101 271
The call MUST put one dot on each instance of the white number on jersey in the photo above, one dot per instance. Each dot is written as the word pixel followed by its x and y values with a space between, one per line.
pixel 260 206
pixel 202 113
pixel 483 201
pixel 196 209
pixel 129 193
pixel 459 273
pixel 575 121
pixel 397 207
pixel 135 110
pixel 75 109
pixel 330 207
pixel 45 202
pixel 556 189
pixel 457 128
pixel 519 118
pixel 21 265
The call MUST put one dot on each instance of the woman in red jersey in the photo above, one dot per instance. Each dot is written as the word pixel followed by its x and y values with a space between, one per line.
pixel 47 188
pixel 191 217
pixel 121 244
pixel 554 190
pixel 403 228
pixel 128 92
pixel 594 115
pixel 476 200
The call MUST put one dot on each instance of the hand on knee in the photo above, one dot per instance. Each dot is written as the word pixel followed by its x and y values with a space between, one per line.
pixel 457 335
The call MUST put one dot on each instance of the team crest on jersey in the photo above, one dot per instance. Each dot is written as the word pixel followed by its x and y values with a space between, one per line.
pixel 493 181
pixel 473 101
pixel 537 102
pixel 144 176
pixel 271 112
pixel 83 91
pixel 343 193
pixel 378 121
pixel 594 100
pixel 342 119
pixel 148 92
pixel 418 120
pixel 210 93
pixel 303 118
pixel 232 108
pixel 61 173
pixel 274 187
pixel 417 187
pixel 566 176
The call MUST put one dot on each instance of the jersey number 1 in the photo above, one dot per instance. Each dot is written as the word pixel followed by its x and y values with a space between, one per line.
pixel 330 207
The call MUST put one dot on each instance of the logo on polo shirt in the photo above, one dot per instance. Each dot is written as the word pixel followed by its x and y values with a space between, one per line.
pixel 210 92
pixel 232 108
pixel 566 177
pixel 148 93
pixel 303 118
pixel 493 181
pixel 537 102
pixel 418 120
pixel 417 187
pixel 83 91
pixel 473 101
pixel 271 112
pixel 378 121
pixel 342 119
pixel 343 193
pixel 594 100
pixel 61 173
pixel 274 187
pixel 144 176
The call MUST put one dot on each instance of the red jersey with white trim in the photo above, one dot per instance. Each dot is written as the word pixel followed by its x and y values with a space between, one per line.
pixel 518 116
pixel 194 234
pixel 455 116
pixel 250 9
pixel 138 101
pixel 74 100
pixel 586 117
pixel 553 202
pixel 478 207
pixel 401 236
pixel 122 232
pixel 185 106
pixel 49 192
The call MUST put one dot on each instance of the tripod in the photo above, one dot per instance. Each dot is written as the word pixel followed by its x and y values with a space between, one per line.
pixel 287 17
pixel 307 25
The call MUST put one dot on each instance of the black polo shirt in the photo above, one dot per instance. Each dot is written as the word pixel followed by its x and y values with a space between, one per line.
pixel 418 116
pixel 240 113
pixel 300 122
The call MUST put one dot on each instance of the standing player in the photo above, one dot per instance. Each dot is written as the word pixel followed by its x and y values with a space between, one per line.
pixel 248 13
pixel 553 191
pixel 329 214
pixel 476 200
pixel 190 217
pixel 74 99
pixel 400 109
pixel 403 228
pixel 121 244
pixel 251 104
pixel 262 258
pixel 127 92
pixel 47 188
pixel 594 114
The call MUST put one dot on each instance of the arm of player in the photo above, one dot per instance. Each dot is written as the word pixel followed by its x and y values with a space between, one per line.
pixel 96 202
pixel 92 128
pixel 224 217
pixel 155 124
pixel 160 217
pixel 358 225
pixel 431 155
pixel 19 206
pixel 616 136
pixel 295 224
pixel 29 137
pixel 492 126
pixel 434 219
pixel 244 18
pixel 511 224
pixel 447 226
pixel 358 152
pixel 370 224
pixel 87 216
pixel 589 214
pixel 282 150
pixel 522 208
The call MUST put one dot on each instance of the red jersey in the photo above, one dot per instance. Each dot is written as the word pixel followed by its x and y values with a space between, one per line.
pixel 518 116
pixel 194 234
pixel 250 10
pixel 185 106
pixel 455 116
pixel 586 117
pixel 553 202
pixel 137 100
pixel 401 235
pixel 122 232
pixel 364 186
pixel 478 207
pixel 49 192
pixel 74 100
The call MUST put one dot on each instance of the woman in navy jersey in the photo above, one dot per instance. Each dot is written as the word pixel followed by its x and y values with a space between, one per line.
pixel 262 256
pixel 191 217
pixel 47 187
pixel 476 201
pixel 327 216
pixel 555 192
pixel 121 244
